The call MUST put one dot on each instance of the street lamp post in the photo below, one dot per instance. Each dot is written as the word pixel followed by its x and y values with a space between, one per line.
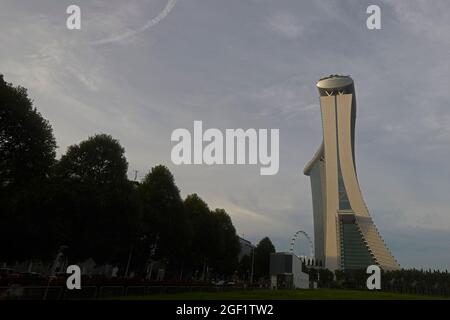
pixel 56 264
pixel 129 260
pixel 253 263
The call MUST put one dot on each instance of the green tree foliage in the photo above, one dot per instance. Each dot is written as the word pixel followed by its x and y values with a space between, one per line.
pixel 204 241
pixel 226 254
pixel 215 243
pixel 86 202
pixel 244 267
pixel 326 278
pixel 27 144
pixel 262 258
pixel 96 205
pixel 165 221
pixel 410 281
pixel 313 274
pixel 27 154
pixel 416 281
pixel 100 161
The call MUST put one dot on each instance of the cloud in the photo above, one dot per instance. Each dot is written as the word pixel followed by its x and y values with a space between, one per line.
pixel 286 25
pixel 289 99
pixel 131 33
pixel 429 21
pixel 231 74
pixel 248 218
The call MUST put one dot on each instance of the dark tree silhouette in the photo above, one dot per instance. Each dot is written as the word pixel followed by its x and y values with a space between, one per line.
pixel 96 205
pixel 86 202
pixel 214 241
pixel 99 160
pixel 204 241
pixel 27 154
pixel 226 254
pixel 244 267
pixel 262 258
pixel 27 144
pixel 165 221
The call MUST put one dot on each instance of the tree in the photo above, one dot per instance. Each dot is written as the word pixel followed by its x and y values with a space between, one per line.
pixel 27 154
pixel 204 238
pixel 215 244
pixel 27 145
pixel 313 274
pixel 97 207
pixel 262 258
pixel 226 254
pixel 326 278
pixel 339 276
pixel 165 221
pixel 99 160
pixel 244 267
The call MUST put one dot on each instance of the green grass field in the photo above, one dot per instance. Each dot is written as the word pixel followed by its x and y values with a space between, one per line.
pixel 299 294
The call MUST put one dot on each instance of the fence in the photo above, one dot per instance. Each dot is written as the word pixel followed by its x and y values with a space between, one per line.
pixel 112 292
pixel 99 292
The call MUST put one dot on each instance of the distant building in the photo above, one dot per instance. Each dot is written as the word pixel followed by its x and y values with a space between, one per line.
pixel 345 236
pixel 286 271
pixel 246 248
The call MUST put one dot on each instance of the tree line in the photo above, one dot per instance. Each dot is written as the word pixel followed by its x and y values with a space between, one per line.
pixel 86 202
pixel 409 281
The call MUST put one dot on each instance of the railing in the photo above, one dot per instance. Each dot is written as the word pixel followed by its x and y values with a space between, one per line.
pixel 100 292
pixel 112 292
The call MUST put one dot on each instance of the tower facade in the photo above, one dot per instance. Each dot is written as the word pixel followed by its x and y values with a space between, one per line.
pixel 345 236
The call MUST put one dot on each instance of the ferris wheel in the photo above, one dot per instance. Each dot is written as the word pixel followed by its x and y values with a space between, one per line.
pixel 304 234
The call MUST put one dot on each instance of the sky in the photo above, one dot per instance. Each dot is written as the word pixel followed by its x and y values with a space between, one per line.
pixel 140 69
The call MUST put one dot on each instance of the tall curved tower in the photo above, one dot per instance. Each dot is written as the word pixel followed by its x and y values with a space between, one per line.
pixel 345 236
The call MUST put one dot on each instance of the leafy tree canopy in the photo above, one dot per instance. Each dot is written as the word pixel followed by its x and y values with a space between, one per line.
pixel 27 154
pixel 100 160
pixel 164 219
pixel 27 145
pixel 262 257
pixel 96 207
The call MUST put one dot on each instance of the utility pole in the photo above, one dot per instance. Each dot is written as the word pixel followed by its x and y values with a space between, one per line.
pixel 204 269
pixel 253 263
pixel 129 261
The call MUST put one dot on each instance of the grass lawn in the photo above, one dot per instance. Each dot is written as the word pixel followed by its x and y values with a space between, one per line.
pixel 299 294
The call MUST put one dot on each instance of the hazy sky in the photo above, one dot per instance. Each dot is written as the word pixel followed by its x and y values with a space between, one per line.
pixel 254 64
